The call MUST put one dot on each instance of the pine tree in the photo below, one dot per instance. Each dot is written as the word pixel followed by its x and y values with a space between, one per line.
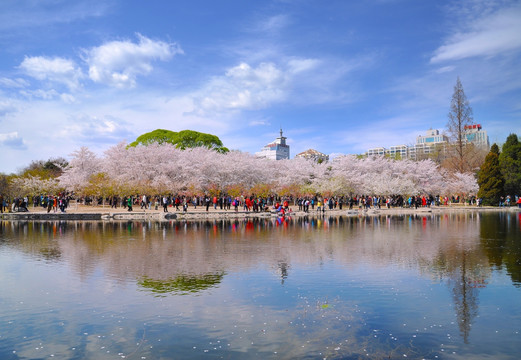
pixel 510 163
pixel 490 178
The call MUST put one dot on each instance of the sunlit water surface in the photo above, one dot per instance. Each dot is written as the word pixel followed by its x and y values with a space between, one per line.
pixel 434 287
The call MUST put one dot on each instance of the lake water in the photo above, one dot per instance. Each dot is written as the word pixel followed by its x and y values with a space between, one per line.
pixel 435 287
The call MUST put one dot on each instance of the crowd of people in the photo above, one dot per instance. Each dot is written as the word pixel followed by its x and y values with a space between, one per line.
pixel 48 202
pixel 246 203
pixel 182 202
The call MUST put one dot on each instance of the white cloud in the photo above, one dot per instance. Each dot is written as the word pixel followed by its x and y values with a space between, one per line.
pixel 13 83
pixel 57 70
pixel 12 140
pixel 243 88
pixel 271 24
pixel 259 123
pixel 22 14
pixel 298 80
pixel 445 69
pixel 298 65
pixel 118 63
pixel 42 94
pixel 48 95
pixel 67 98
pixel 7 106
pixel 99 130
pixel 488 36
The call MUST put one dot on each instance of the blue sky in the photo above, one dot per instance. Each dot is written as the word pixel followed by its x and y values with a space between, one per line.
pixel 337 76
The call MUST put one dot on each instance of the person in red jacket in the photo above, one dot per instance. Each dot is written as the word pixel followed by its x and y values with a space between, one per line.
pixel 285 204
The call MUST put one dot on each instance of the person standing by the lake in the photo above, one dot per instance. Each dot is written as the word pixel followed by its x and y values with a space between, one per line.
pixel 49 204
pixel 165 204
pixel 129 203
pixel 62 204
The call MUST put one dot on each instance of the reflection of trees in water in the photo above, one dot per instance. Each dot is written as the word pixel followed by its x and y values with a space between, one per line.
pixel 463 247
pixel 465 297
pixel 38 238
pixel 182 284
pixel 500 234
pixel 463 263
pixel 283 267
pixel 465 277
pixel 51 253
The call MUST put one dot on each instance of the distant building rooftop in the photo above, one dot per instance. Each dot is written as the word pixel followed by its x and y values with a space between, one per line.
pixel 313 154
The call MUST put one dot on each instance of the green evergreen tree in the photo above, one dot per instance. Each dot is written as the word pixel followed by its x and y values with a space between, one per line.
pixel 510 164
pixel 183 140
pixel 490 178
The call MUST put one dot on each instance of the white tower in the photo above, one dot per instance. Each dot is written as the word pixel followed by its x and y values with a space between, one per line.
pixel 277 150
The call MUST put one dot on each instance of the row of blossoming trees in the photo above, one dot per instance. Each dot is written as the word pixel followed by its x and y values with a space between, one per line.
pixel 163 169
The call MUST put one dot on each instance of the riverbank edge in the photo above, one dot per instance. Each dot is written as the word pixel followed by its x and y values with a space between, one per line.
pixel 107 215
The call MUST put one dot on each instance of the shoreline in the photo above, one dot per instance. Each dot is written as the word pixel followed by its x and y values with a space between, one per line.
pixel 92 213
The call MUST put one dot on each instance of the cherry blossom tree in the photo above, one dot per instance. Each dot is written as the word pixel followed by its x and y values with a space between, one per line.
pixel 341 176
pixel 162 168
pixel 464 184
pixel 34 185
pixel 292 174
pixel 82 166
pixel 425 175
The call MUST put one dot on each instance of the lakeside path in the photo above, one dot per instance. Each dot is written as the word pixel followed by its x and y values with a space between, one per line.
pixel 83 212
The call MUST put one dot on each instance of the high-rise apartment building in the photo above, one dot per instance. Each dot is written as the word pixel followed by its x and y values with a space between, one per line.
pixel 432 141
pixel 476 135
pixel 432 137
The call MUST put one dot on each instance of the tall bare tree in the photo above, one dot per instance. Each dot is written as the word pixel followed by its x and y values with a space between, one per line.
pixel 460 116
